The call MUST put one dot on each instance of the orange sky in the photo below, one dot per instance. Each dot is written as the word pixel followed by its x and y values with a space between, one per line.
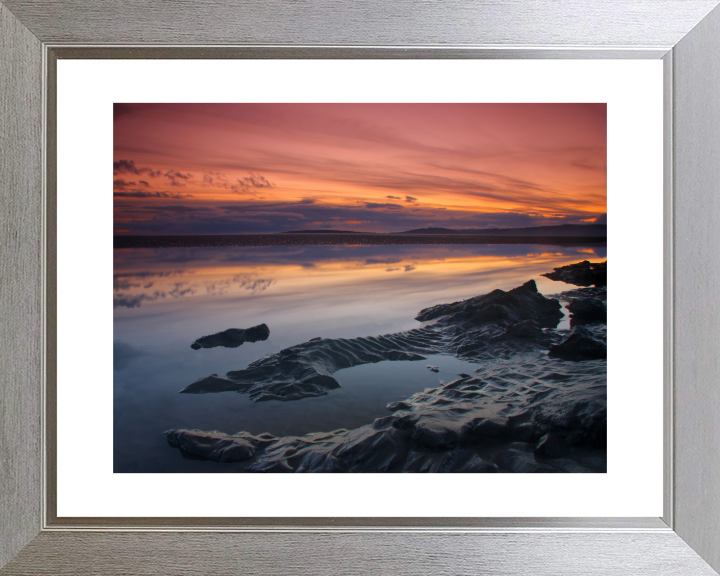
pixel 240 168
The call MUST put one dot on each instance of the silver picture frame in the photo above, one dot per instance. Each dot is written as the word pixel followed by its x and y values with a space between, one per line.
pixel 685 34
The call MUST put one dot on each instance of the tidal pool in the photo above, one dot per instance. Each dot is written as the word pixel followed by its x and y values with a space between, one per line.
pixel 164 299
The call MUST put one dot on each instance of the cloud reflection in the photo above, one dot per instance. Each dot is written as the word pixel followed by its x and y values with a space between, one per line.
pixel 272 272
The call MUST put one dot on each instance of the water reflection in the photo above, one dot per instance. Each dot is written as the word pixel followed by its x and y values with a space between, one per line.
pixel 167 298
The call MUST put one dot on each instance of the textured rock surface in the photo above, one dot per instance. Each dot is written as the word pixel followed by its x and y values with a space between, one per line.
pixel 498 307
pixel 583 273
pixel 587 311
pixel 532 405
pixel 581 344
pixel 232 337
pixel 463 329
pixel 529 414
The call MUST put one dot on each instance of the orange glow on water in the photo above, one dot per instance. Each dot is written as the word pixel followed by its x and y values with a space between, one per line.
pixel 141 278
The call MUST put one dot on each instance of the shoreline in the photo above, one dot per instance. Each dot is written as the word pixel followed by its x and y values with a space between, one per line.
pixel 324 239
pixel 537 402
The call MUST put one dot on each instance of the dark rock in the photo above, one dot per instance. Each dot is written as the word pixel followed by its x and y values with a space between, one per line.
pixel 491 427
pixel 232 337
pixel 433 368
pixel 453 461
pixel 216 445
pixel 395 406
pixel 448 429
pixel 587 311
pixel 500 308
pixel 211 384
pixel 305 370
pixel 520 459
pixel 580 344
pixel 550 447
pixel 434 434
pixel 527 329
pixel 520 403
pixel 583 273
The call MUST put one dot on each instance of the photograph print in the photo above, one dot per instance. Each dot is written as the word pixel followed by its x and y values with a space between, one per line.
pixel 370 288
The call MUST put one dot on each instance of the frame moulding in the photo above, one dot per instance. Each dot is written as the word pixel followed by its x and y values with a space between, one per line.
pixel 686 33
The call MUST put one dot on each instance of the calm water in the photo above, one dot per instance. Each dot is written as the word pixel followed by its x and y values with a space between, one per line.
pixel 166 298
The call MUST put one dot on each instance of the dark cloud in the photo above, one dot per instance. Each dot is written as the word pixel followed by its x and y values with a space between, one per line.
pixel 177 178
pixel 129 167
pixel 375 206
pixel 216 180
pixel 123 301
pixel 251 184
pixel 142 194
pixel 410 199
pixel 252 212
pixel 382 260
pixel 602 219
pixel 177 208
pixel 125 167
pixel 144 183
pixel 257 217
pixel 394 197
pixel 120 183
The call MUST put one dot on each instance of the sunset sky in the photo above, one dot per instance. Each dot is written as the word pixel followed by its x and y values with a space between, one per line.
pixel 256 168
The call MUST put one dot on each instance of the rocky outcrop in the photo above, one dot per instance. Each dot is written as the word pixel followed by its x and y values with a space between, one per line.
pixel 583 273
pixel 587 311
pixel 580 344
pixel 537 402
pixel 232 337
pixel 466 329
pixel 489 422
pixel 500 308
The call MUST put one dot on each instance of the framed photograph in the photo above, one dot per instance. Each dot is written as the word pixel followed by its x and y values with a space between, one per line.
pixel 422 200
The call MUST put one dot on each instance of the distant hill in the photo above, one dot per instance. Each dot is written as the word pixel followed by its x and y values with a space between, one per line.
pixel 561 230
pixel 323 231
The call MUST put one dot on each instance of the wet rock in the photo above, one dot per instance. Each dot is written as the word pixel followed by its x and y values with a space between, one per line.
pixel 491 426
pixel 463 329
pixel 232 337
pixel 216 445
pixel 579 419
pixel 583 273
pixel 520 459
pixel 455 461
pixel 581 344
pixel 499 420
pixel 527 330
pixel 435 434
pixel 395 406
pixel 519 404
pixel 549 446
pixel 500 308
pixel 587 311
pixel 213 383
pixel 433 368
